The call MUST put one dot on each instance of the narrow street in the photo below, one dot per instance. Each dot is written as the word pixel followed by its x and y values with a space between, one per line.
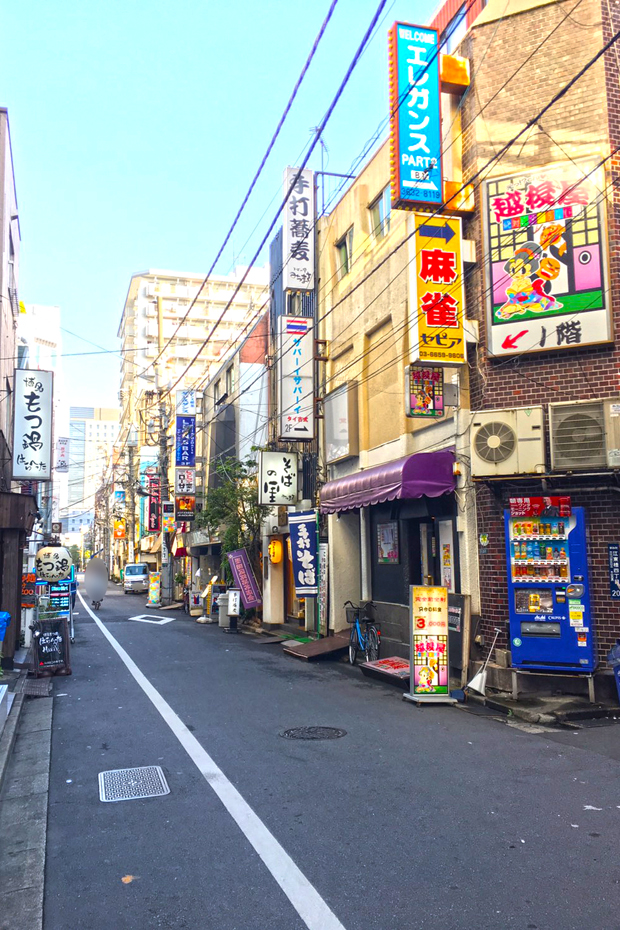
pixel 416 818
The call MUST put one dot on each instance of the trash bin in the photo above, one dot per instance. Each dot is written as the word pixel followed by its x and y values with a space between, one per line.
pixel 613 657
pixel 223 618
pixel 5 619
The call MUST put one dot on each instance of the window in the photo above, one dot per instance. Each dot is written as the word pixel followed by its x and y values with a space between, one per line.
pixel 217 390
pixel 344 252
pixel 455 30
pixel 230 381
pixel 380 214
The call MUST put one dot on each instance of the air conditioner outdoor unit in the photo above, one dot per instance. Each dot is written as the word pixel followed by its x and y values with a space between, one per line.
pixel 585 434
pixel 508 442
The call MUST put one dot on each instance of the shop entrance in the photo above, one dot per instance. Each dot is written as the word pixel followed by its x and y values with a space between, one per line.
pixel 438 554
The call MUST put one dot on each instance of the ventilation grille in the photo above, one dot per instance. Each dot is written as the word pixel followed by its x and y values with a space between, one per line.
pixel 578 436
pixel 495 442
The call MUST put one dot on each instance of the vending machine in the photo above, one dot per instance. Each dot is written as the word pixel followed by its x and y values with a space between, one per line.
pixel 551 626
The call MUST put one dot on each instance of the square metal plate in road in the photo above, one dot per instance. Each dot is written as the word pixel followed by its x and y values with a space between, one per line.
pixel 148 781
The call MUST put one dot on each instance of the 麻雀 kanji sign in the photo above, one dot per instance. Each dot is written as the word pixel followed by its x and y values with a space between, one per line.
pixel 436 292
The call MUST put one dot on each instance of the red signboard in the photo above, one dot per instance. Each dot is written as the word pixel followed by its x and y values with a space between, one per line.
pixel 29 581
pixel 540 507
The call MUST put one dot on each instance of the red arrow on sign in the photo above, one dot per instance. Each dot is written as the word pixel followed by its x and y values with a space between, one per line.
pixel 510 342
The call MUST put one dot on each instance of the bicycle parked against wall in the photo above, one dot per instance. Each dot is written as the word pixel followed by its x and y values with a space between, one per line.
pixel 366 641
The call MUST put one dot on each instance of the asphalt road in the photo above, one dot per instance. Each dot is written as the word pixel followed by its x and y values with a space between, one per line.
pixel 417 818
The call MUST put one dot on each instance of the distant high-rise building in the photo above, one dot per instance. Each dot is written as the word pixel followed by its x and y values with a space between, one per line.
pixel 92 434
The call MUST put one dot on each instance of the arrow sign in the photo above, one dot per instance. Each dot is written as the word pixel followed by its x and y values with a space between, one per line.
pixel 510 342
pixel 437 232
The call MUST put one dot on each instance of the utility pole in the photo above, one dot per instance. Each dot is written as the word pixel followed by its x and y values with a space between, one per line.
pixel 167 565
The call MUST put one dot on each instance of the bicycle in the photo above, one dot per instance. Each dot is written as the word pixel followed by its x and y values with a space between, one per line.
pixel 368 641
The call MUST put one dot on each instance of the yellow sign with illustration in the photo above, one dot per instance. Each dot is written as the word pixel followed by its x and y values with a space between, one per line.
pixel 436 292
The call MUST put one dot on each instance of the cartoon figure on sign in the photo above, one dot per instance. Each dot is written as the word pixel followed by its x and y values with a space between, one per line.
pixel 530 271
pixel 425 679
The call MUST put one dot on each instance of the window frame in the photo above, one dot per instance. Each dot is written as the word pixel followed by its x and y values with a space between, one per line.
pixel 344 250
pixel 382 202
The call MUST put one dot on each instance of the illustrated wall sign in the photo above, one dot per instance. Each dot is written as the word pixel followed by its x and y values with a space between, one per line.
pixel 32 424
pixel 546 238
pixel 423 391
pixel 298 231
pixel 436 292
pixel 415 116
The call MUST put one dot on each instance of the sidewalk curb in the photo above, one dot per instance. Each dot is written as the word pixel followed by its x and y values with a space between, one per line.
pixel 7 740
pixel 557 719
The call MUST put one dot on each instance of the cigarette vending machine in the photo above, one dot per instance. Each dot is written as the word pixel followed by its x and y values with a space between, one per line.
pixel 551 627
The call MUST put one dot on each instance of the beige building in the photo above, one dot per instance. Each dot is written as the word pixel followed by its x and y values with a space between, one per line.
pixel 413 529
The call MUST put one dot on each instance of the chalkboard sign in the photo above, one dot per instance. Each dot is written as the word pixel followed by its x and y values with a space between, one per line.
pixel 50 641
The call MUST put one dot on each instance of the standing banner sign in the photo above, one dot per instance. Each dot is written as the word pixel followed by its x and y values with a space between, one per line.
pixel 429 661
pixel 304 552
pixel 436 291
pixel 415 116
pixel 296 378
pixel 323 587
pixel 32 424
pixel 154 588
pixel 244 578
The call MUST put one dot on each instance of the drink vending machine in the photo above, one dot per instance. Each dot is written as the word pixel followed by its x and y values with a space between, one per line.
pixel 551 627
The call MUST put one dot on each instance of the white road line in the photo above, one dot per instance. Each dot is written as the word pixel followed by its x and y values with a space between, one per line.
pixel 304 897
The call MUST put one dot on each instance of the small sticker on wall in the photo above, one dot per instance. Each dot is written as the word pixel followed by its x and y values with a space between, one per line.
pixel 582 629
pixel 516 641
pixel 582 639
pixel 576 621
pixel 575 614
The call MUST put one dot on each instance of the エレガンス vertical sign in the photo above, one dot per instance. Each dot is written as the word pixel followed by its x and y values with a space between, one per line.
pixel 32 424
pixel 415 116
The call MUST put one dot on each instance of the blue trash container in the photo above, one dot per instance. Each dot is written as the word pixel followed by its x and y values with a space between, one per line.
pixel 613 657
pixel 5 619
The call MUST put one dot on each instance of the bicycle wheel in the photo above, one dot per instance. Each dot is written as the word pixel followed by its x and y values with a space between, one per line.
pixel 353 645
pixel 372 644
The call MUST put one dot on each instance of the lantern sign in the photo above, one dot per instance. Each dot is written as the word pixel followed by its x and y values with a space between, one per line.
pixel 277 478
pixel 32 424
pixel 298 231
pixel 53 563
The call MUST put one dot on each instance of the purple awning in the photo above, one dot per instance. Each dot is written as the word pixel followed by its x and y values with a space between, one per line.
pixel 425 473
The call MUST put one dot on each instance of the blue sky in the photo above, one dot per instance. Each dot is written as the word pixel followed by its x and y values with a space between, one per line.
pixel 137 127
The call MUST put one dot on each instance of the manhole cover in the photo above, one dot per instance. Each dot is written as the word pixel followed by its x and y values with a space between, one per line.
pixel 130 784
pixel 313 733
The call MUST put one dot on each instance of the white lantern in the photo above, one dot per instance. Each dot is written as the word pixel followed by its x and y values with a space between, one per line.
pixel 53 563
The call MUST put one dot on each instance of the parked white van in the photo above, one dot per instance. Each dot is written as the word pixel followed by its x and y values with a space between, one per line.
pixel 136 578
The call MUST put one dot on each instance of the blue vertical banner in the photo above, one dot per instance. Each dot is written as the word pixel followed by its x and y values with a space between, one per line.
pixel 185 456
pixel 415 116
pixel 304 552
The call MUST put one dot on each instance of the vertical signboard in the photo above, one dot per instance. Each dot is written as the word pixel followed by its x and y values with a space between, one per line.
pixel 119 529
pixel 546 240
pixel 277 478
pixel 613 550
pixel 296 378
pixel 340 411
pixel 429 664
pixel 415 116
pixel 167 516
pixel 244 577
pixel 185 481
pixel 298 231
pixel 185 454
pixel 186 403
pixel 304 552
pixel 32 424
pixel 436 291
pixel 62 455
pixel 154 503
pixel 323 602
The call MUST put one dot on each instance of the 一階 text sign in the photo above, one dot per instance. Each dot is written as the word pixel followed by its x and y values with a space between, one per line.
pixel 436 292
pixel 415 116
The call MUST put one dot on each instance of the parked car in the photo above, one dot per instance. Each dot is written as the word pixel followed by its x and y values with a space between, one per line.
pixel 136 578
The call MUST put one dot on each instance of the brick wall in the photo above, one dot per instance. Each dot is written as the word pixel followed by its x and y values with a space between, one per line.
pixel 584 124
